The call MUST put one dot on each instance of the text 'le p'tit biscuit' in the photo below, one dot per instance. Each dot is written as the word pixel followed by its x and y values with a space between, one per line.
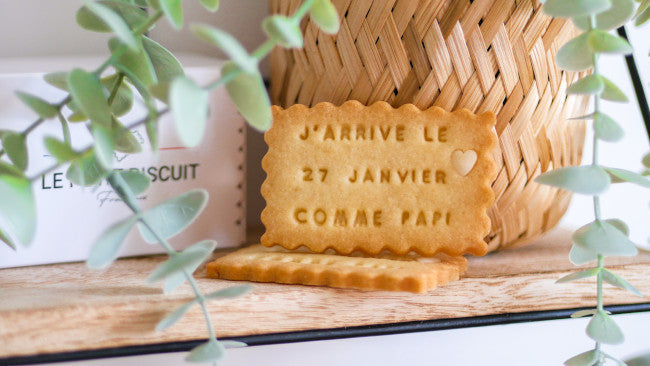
pixel 386 272
pixel 373 178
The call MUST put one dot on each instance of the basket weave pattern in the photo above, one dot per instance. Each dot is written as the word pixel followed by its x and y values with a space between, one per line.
pixel 483 55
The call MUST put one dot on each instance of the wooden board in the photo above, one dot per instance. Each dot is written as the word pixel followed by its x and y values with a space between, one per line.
pixel 67 307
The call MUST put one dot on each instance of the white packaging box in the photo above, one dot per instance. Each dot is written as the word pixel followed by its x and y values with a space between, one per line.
pixel 71 218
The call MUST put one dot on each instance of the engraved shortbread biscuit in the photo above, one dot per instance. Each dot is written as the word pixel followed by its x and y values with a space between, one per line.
pixel 374 178
pixel 409 273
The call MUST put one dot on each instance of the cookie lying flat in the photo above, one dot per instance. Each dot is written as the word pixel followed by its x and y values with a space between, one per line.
pixel 388 272
pixel 374 178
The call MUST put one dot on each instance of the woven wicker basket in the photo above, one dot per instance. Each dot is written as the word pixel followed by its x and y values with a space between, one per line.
pixel 483 55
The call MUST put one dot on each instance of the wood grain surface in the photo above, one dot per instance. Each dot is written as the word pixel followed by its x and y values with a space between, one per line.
pixel 68 307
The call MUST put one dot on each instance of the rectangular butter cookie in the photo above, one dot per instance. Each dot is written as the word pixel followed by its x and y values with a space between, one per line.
pixel 373 178
pixel 410 273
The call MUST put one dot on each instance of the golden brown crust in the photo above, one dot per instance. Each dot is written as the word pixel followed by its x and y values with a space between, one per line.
pixel 261 264
pixel 466 197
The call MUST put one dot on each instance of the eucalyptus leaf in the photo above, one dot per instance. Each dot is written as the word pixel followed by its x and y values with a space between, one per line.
pixel 620 225
pixel 587 179
pixel 44 109
pixel 211 5
pixel 602 328
pixel 103 144
pixel 189 106
pixel 604 238
pixel 227 43
pixel 133 16
pixel 629 176
pixel 137 61
pixel 174 316
pixel 612 92
pixel 615 280
pixel 105 249
pixel 323 13
pixel 124 140
pixel 207 352
pixel 8 169
pixel 616 16
pixel 4 238
pixel 642 17
pixel 183 261
pixel 233 344
pixel 85 170
pixel 284 30
pixel 591 85
pixel 151 126
pixel 61 151
pixel 173 11
pixel 165 65
pixel 88 93
pixel 575 8
pixel 230 292
pixel 14 145
pixel 136 180
pixel 641 360
pixel 115 22
pixel 175 280
pixel 248 93
pixel 576 55
pixel 583 313
pixel 646 161
pixel 172 216
pixel 602 42
pixel 65 129
pixel 17 207
pixel 58 80
pixel 588 358
pixel 607 129
pixel 579 275
pixel 581 255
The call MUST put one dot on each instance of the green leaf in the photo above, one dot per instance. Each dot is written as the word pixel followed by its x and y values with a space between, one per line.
pixel 588 358
pixel 103 144
pixel 620 12
pixel 620 225
pixel 230 292
pixel 227 43
pixel 14 145
pixel 7 169
pixel 233 344
pixel 180 262
pixel 137 61
pixel 189 106
pixel 165 64
pixel 85 170
pixel 629 176
pixel 65 129
pixel 581 255
pixel 4 238
pixel 211 5
pixel 123 101
pixel 105 249
pixel 174 316
pixel 44 109
pixel 602 328
pixel 646 160
pixel 602 42
pixel 575 8
pixel 604 238
pixel 173 11
pixel 612 92
pixel 17 207
pixel 172 216
pixel 642 360
pixel 248 93
pixel 588 179
pixel 592 85
pixel 151 126
pixel 61 151
pixel 124 140
pixel 58 80
pixel 88 93
pixel 607 129
pixel 582 313
pixel 615 280
pixel 207 352
pixel 575 55
pixel 579 275
pixel 115 22
pixel 323 13
pixel 285 31
pixel 642 17
pixel 132 15
pixel 136 180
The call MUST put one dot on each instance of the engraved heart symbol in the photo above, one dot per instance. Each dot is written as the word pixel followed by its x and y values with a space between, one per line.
pixel 463 162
